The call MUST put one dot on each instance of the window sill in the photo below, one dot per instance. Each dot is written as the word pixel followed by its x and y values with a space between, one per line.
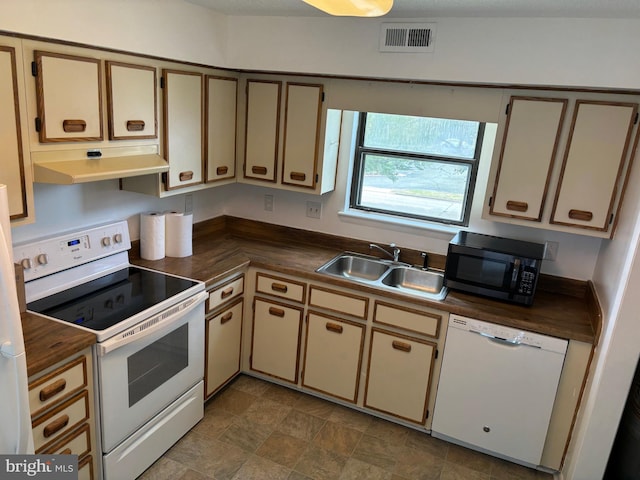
pixel 375 219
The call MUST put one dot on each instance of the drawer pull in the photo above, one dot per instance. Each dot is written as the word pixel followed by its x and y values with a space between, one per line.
pixel 226 317
pixel 276 312
pixel 226 293
pixel 259 170
pixel 517 206
pixel 580 215
pixel 404 347
pixel 66 451
pixel 135 125
pixel 74 126
pixel 333 327
pixel 279 287
pixel 55 426
pixel 298 176
pixel 186 175
pixel 222 170
pixel 51 390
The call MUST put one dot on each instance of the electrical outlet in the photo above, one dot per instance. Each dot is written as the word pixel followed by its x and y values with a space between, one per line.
pixel 188 203
pixel 314 209
pixel 268 203
pixel 551 251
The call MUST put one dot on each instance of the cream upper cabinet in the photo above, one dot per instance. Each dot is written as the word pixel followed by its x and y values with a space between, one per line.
pixel 529 147
pixel 12 166
pixel 262 129
pixel 132 100
pixel 183 127
pixel 69 97
pixel 597 149
pixel 220 127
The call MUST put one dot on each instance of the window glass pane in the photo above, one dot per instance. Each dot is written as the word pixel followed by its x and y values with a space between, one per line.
pixel 435 136
pixel 422 188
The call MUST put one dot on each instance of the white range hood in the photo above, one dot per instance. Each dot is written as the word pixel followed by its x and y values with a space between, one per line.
pixel 67 167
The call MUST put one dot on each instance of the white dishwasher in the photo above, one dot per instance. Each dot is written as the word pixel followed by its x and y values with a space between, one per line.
pixel 497 388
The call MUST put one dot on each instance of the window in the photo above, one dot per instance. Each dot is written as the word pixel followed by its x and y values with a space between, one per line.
pixel 416 167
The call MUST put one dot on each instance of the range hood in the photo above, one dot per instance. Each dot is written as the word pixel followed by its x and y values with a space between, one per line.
pixel 67 167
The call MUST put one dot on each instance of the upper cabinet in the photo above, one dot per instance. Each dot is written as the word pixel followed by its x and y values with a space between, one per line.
pixel 69 97
pixel 220 127
pixel 131 101
pixel 583 192
pixel 290 138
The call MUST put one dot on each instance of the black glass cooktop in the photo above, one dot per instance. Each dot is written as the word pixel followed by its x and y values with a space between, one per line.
pixel 106 301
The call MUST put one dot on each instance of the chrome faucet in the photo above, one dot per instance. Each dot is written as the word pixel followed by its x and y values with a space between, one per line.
pixel 396 251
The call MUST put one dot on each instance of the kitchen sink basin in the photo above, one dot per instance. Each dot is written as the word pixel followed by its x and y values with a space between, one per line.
pixel 386 274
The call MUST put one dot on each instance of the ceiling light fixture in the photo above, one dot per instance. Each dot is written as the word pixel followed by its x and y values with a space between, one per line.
pixel 353 8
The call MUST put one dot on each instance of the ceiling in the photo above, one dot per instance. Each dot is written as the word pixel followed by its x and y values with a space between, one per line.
pixel 443 8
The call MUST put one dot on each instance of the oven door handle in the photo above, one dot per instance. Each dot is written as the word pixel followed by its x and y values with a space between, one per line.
pixel 159 322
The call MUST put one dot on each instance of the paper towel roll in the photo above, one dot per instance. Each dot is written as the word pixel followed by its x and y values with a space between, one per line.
pixel 152 235
pixel 5 223
pixel 178 234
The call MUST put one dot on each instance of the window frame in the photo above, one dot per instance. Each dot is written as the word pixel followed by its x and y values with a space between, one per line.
pixel 357 178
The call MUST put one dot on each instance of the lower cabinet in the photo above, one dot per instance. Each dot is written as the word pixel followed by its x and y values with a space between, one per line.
pixel 399 375
pixel 333 356
pixel 275 342
pixel 223 346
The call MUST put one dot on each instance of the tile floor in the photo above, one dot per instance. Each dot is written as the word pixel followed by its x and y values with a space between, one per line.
pixel 254 430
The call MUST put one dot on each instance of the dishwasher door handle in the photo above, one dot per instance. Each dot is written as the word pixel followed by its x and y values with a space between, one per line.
pixel 502 341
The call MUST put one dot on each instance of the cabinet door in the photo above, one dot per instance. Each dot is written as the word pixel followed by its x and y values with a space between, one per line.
pixel 183 130
pixel 263 120
pixel 593 164
pixel 132 100
pixel 220 125
pixel 275 344
pixel 12 166
pixel 529 147
pixel 333 356
pixel 301 134
pixel 224 333
pixel 399 375
pixel 69 97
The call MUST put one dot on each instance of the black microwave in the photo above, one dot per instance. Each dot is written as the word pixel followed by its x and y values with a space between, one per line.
pixel 495 267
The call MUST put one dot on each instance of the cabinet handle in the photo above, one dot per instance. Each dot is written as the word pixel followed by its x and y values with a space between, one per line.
pixel 298 176
pixel 55 426
pixel 74 126
pixel 279 287
pixel 66 451
pixel 404 347
pixel 135 125
pixel 186 175
pixel 50 390
pixel 580 215
pixel 222 170
pixel 259 170
pixel 517 206
pixel 333 327
pixel 226 293
pixel 276 312
pixel 225 318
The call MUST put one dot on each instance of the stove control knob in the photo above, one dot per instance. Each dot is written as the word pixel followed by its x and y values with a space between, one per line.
pixel 106 241
pixel 117 238
pixel 26 263
pixel 42 259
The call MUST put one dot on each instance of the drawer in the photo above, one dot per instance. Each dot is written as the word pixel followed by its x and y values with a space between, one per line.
pixel 340 302
pixel 280 287
pixel 60 421
pixel 77 442
pixel 58 385
pixel 224 293
pixel 419 321
pixel 85 468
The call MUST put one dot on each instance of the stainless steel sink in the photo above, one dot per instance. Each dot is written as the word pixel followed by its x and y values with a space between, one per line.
pixel 386 274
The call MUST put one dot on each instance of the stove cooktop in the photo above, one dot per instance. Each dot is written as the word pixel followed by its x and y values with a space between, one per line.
pixel 109 300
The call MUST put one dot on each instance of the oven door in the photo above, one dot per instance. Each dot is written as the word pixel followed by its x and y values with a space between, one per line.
pixel 143 369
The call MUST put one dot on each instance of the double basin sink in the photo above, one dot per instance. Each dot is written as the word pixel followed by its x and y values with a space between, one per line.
pixel 386 274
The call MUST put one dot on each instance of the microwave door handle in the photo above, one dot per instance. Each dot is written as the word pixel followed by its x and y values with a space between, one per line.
pixel 514 274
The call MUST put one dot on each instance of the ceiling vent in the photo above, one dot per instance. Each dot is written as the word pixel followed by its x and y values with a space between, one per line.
pixel 407 37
